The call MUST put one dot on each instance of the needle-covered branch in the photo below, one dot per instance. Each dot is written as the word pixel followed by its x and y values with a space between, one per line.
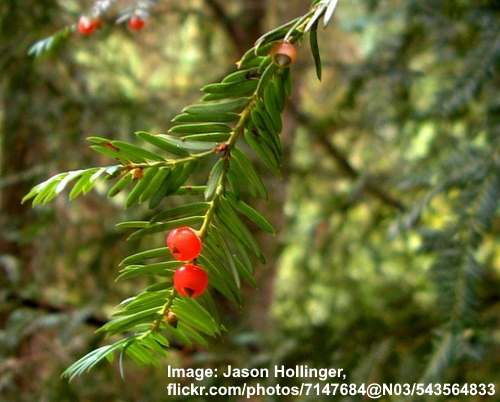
pixel 247 105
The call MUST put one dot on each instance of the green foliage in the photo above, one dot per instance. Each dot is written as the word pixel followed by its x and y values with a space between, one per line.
pixel 45 192
pixel 50 43
pixel 248 103
pixel 393 205
pixel 389 259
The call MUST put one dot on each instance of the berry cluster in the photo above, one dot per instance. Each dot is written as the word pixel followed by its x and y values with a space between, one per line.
pixel 86 25
pixel 185 245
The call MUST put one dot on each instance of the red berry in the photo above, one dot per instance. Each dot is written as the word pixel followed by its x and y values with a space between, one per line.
pixel 184 243
pixel 86 25
pixel 284 54
pixel 136 23
pixel 190 280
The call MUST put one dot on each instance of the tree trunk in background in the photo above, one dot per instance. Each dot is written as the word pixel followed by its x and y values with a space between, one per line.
pixel 252 25
pixel 25 99
pixel 252 22
pixel 244 28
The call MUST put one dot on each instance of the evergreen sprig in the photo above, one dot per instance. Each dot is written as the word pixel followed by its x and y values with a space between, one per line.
pixel 246 105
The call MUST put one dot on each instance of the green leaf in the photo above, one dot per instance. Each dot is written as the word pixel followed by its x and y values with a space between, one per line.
pixel 80 184
pixel 226 213
pixel 179 176
pixel 123 323
pixel 160 268
pixel 216 278
pixel 183 210
pixel 110 170
pixel 140 187
pixel 155 287
pixel 176 335
pixel 142 301
pixel 250 60
pixel 91 359
pixel 179 146
pixel 50 43
pixel 235 183
pixel 278 95
pixel 209 137
pixel 316 16
pixel 228 256
pixel 200 128
pixel 208 302
pixel 206 117
pixel 265 78
pixel 329 12
pixel 287 81
pixel 132 224
pixel 229 89
pixel 106 151
pixel 267 123
pixel 244 180
pixel 95 140
pixel 48 193
pixel 227 106
pixel 243 262
pixel 147 350
pixel 164 187
pixel 273 106
pixel 275 34
pixel 192 335
pixel 244 165
pixel 263 149
pixel 163 142
pixel 241 75
pixel 313 41
pixel 155 184
pixel 214 179
pixel 279 80
pixel 134 152
pixel 193 314
pixel 164 226
pixel 120 184
pixel 40 188
pixel 264 51
pixel 252 214
pixel 70 176
pixel 267 131
pixel 146 255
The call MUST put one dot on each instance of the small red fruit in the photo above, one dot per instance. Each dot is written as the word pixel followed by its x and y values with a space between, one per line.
pixel 86 26
pixel 284 54
pixel 184 243
pixel 190 280
pixel 136 23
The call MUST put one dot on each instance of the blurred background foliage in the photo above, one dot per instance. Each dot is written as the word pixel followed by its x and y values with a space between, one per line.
pixel 387 261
